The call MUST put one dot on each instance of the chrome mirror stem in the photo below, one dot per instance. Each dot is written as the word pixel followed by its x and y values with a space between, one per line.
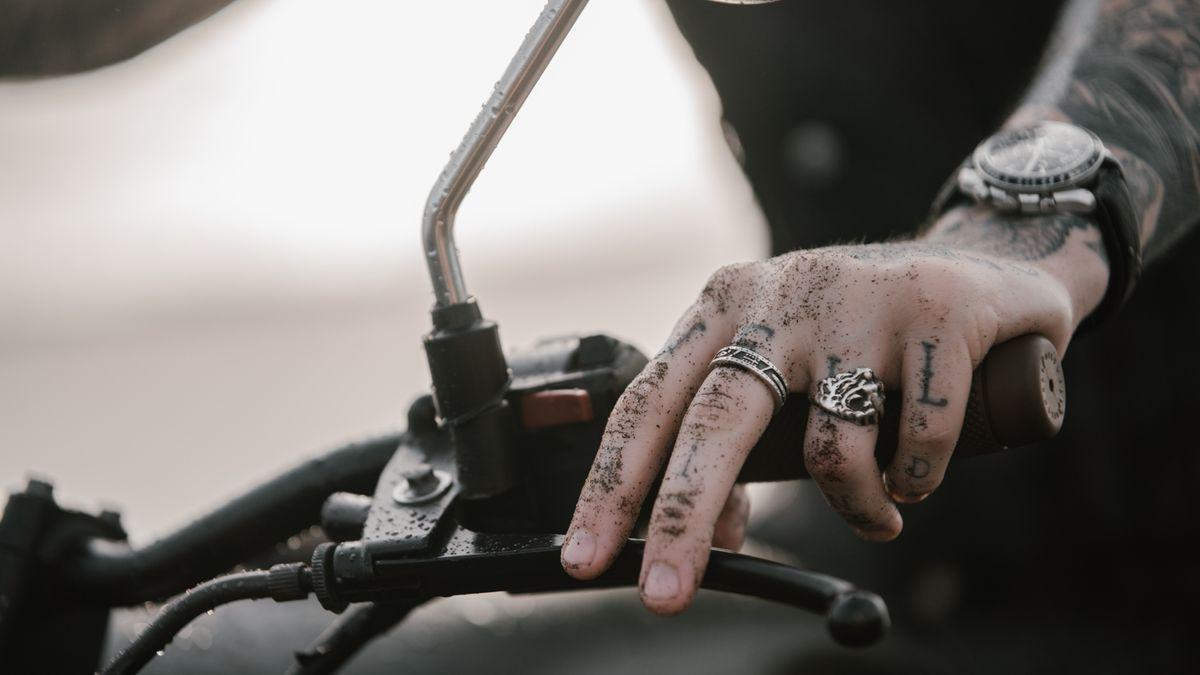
pixel 526 67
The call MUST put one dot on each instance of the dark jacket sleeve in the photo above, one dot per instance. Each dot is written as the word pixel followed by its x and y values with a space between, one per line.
pixel 57 37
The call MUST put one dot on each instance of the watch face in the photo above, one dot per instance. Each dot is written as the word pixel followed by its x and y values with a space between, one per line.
pixel 1041 158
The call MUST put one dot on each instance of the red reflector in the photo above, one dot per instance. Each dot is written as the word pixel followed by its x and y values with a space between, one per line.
pixel 554 407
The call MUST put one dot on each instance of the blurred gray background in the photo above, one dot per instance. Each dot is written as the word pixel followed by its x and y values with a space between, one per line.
pixel 210 252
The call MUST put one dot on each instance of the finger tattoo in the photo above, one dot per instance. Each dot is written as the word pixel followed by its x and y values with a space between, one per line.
pixel 918 467
pixel 927 377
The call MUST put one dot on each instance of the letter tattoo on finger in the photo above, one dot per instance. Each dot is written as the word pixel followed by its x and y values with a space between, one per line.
pixel 833 363
pixel 918 467
pixel 744 338
pixel 927 376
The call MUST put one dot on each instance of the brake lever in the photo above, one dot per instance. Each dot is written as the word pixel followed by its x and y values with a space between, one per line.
pixel 472 562
pixel 410 542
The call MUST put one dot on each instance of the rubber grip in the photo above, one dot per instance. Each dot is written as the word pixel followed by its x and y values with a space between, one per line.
pixel 1018 397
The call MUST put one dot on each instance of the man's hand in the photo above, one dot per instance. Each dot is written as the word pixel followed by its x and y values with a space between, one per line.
pixel 921 314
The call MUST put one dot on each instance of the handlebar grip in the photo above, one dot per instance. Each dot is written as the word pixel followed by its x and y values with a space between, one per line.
pixel 1018 397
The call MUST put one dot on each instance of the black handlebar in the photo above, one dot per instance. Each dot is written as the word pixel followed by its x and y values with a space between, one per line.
pixel 113 573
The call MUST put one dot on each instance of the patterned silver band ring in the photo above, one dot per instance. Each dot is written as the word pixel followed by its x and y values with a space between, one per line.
pixel 756 364
pixel 854 395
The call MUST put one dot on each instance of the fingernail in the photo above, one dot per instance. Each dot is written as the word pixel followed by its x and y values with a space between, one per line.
pixel 662 582
pixel 891 489
pixel 579 550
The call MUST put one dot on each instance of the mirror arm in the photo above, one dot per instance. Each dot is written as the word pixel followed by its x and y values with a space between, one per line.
pixel 526 67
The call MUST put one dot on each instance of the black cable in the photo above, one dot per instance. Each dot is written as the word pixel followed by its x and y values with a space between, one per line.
pixel 180 612
pixel 114 574
pixel 347 635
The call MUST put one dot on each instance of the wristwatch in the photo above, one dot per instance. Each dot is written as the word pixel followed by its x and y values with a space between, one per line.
pixel 1054 167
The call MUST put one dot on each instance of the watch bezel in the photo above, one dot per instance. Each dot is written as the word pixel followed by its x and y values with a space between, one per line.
pixel 1074 176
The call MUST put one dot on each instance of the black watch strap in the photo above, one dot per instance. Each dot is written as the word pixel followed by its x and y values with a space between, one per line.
pixel 1118 223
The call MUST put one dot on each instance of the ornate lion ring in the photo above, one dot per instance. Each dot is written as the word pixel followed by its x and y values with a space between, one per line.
pixel 757 365
pixel 854 395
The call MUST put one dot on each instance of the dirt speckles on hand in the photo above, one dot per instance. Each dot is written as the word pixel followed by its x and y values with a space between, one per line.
pixel 823 455
pixel 696 328
pixel 918 421
pixel 606 471
pixel 719 290
pixel 672 531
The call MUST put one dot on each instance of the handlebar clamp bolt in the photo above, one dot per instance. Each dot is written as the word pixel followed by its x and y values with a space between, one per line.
pixel 422 483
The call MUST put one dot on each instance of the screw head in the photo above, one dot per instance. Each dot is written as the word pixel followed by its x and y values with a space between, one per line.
pixel 422 483
pixel 420 475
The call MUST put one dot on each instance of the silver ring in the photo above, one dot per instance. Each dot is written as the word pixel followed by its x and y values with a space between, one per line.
pixel 854 395
pixel 757 365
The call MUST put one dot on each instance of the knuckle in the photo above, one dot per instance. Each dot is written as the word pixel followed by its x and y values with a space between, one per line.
pixel 933 432
pixel 713 409
pixel 724 288
pixel 979 330
pixel 824 457
pixel 801 261
pixel 945 284
pixel 673 513
pixel 863 519
pixel 641 397
pixel 944 274
pixel 758 334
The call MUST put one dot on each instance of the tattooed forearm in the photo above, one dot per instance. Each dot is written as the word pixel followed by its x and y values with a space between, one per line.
pixel 1028 238
pixel 1130 71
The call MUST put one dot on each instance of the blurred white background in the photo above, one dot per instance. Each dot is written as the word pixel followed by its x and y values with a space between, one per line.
pixel 209 255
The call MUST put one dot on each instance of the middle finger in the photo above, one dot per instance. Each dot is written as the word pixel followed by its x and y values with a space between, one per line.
pixel 726 417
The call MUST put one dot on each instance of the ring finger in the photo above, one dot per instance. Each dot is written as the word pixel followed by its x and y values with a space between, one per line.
pixel 840 456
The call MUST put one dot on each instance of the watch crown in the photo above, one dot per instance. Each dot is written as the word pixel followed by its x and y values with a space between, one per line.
pixel 971 183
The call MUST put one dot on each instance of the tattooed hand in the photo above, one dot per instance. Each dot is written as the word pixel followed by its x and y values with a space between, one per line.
pixel 922 314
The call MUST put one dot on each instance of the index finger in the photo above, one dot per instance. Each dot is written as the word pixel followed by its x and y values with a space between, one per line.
pixel 636 441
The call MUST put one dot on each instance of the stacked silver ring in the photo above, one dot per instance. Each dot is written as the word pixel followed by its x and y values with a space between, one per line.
pixel 757 365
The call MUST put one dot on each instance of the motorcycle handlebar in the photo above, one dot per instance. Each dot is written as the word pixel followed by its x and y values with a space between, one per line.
pixel 1017 397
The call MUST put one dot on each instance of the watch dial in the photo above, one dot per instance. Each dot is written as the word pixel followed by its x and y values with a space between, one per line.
pixel 1043 157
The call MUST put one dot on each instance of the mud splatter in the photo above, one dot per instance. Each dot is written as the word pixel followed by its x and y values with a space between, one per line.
pixel 824 457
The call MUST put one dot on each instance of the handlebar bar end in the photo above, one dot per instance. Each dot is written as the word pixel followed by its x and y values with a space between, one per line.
pixel 858 619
